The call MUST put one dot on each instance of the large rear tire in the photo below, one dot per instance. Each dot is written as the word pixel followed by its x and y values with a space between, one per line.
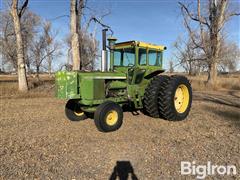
pixel 73 111
pixel 175 98
pixel 151 95
pixel 108 117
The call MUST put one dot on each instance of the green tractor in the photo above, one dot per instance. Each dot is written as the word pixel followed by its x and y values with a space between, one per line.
pixel 130 80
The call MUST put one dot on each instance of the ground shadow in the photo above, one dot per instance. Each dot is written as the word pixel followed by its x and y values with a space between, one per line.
pixel 131 109
pixel 222 101
pixel 123 171
pixel 125 108
pixel 228 115
pixel 234 94
pixel 215 99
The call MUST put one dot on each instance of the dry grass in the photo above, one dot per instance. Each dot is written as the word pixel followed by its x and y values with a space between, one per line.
pixel 199 83
pixel 13 78
pixel 9 88
pixel 232 83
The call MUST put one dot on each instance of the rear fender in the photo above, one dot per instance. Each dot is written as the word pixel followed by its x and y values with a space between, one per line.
pixel 154 73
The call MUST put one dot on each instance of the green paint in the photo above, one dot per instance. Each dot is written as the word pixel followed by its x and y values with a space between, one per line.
pixel 117 85
pixel 121 84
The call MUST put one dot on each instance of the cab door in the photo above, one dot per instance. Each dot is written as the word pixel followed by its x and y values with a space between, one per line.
pixel 136 73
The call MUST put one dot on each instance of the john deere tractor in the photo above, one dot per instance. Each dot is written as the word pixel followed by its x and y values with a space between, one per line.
pixel 131 80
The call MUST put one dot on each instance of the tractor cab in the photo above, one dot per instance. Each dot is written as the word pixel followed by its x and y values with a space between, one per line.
pixel 137 59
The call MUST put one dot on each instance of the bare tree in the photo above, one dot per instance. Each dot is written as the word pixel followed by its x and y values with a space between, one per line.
pixel 29 23
pixel 189 57
pixel 90 44
pixel 211 21
pixel 89 49
pixel 52 47
pixel 229 56
pixel 16 13
pixel 68 64
pixel 45 47
pixel 8 40
pixel 38 47
pixel 75 25
pixel 193 60
pixel 84 46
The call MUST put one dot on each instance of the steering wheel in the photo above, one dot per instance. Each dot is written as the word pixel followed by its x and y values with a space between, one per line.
pixel 130 64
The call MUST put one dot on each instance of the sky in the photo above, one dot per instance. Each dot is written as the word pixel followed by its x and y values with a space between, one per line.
pixel 154 21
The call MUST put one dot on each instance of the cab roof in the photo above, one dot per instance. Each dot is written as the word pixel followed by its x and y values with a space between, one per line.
pixel 140 44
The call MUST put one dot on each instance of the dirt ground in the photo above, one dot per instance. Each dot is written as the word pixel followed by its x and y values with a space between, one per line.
pixel 37 141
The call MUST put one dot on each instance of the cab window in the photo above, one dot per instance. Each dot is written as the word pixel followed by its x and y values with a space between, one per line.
pixel 152 58
pixel 124 57
pixel 142 54
pixel 117 58
pixel 128 56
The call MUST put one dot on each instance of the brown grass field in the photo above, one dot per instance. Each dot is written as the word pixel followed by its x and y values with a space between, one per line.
pixel 38 142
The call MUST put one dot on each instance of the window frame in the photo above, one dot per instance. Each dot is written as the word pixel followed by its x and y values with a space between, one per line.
pixel 160 58
pixel 122 56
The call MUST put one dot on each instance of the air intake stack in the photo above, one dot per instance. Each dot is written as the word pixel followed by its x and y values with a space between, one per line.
pixel 111 45
pixel 104 63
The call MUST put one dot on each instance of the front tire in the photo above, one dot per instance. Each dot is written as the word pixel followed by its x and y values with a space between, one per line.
pixel 175 98
pixel 73 111
pixel 108 117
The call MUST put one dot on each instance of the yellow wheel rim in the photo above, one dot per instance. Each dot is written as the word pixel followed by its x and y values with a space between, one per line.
pixel 112 118
pixel 78 112
pixel 181 98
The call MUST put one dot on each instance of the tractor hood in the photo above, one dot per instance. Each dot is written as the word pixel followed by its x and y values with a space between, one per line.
pixel 83 85
pixel 101 75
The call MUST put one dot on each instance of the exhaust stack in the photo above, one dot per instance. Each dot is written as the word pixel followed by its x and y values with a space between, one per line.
pixel 104 63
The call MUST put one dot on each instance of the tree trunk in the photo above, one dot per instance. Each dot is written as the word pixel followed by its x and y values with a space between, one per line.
pixel 217 12
pixel 190 68
pixel 75 35
pixel 49 62
pixel 22 78
pixel 49 65
pixel 37 73
pixel 212 75
pixel 28 67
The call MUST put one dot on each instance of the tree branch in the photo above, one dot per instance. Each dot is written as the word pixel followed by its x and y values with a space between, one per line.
pixel 99 22
pixel 22 9
pixel 201 20
pixel 58 17
pixel 234 14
